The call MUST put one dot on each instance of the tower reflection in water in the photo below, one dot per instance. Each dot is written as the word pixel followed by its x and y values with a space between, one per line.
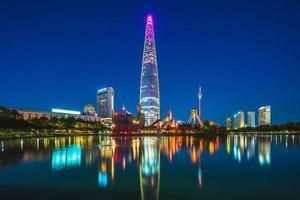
pixel 150 169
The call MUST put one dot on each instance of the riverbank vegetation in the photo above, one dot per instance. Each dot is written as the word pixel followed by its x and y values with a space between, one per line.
pixel 293 127
pixel 12 123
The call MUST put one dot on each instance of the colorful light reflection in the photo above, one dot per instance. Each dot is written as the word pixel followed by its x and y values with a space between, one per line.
pixel 102 179
pixel 66 157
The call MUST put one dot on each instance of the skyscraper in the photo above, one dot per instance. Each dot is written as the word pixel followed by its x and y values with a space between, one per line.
pixel 264 115
pixel 105 102
pixel 251 119
pixel 149 88
pixel 228 123
pixel 239 120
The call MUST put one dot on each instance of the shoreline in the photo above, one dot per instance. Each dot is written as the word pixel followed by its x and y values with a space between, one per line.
pixel 26 135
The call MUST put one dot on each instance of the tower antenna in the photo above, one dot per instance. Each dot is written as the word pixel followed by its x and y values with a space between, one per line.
pixel 200 101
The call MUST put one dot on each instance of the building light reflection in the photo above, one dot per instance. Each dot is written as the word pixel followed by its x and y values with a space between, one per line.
pixel 150 169
pixel 66 157
pixel 144 152
pixel 2 146
pixel 102 179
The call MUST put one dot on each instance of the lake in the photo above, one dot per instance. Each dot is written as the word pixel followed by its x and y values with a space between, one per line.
pixel 237 166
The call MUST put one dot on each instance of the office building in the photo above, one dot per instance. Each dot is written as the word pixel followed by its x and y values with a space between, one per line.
pixel 228 123
pixel 239 120
pixel 251 119
pixel 105 102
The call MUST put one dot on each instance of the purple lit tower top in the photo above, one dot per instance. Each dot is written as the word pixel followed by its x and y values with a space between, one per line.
pixel 149 88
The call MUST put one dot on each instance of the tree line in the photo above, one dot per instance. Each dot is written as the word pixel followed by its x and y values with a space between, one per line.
pixel 12 120
pixel 291 126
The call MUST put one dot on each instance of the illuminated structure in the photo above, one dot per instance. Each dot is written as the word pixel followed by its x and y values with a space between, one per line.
pixel 61 111
pixel 194 117
pixel 105 102
pixel 125 123
pixel 239 120
pixel 251 119
pixel 165 124
pixel 149 86
pixel 89 109
pixel 264 115
pixel 228 123
pixel 200 101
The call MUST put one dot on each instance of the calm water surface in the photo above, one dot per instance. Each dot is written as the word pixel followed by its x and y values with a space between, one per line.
pixel 102 167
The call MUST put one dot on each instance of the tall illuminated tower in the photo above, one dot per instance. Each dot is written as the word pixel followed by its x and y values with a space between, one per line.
pixel 200 101
pixel 149 88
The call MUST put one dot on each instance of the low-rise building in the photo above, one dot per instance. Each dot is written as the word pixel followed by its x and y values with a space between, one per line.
pixel 57 113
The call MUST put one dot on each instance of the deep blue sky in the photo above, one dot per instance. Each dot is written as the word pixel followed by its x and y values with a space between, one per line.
pixel 244 54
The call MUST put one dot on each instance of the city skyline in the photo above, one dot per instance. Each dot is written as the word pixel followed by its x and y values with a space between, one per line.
pixel 66 71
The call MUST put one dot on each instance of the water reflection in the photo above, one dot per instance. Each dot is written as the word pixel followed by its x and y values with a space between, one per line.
pixel 66 157
pixel 246 145
pixel 106 172
pixel 150 169
pixel 111 154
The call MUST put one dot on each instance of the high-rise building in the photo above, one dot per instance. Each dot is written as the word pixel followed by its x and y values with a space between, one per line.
pixel 89 109
pixel 200 101
pixel 251 119
pixel 239 120
pixel 235 121
pixel 105 102
pixel 149 88
pixel 264 115
pixel 228 123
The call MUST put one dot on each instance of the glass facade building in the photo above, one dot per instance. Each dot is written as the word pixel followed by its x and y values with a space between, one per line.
pixel 251 119
pixel 239 120
pixel 149 86
pixel 105 102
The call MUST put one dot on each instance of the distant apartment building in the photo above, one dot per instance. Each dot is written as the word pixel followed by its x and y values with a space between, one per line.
pixel 228 123
pixel 251 119
pixel 239 120
pixel 105 102
pixel 264 115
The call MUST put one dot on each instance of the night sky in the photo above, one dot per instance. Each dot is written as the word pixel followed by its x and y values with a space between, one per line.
pixel 243 54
